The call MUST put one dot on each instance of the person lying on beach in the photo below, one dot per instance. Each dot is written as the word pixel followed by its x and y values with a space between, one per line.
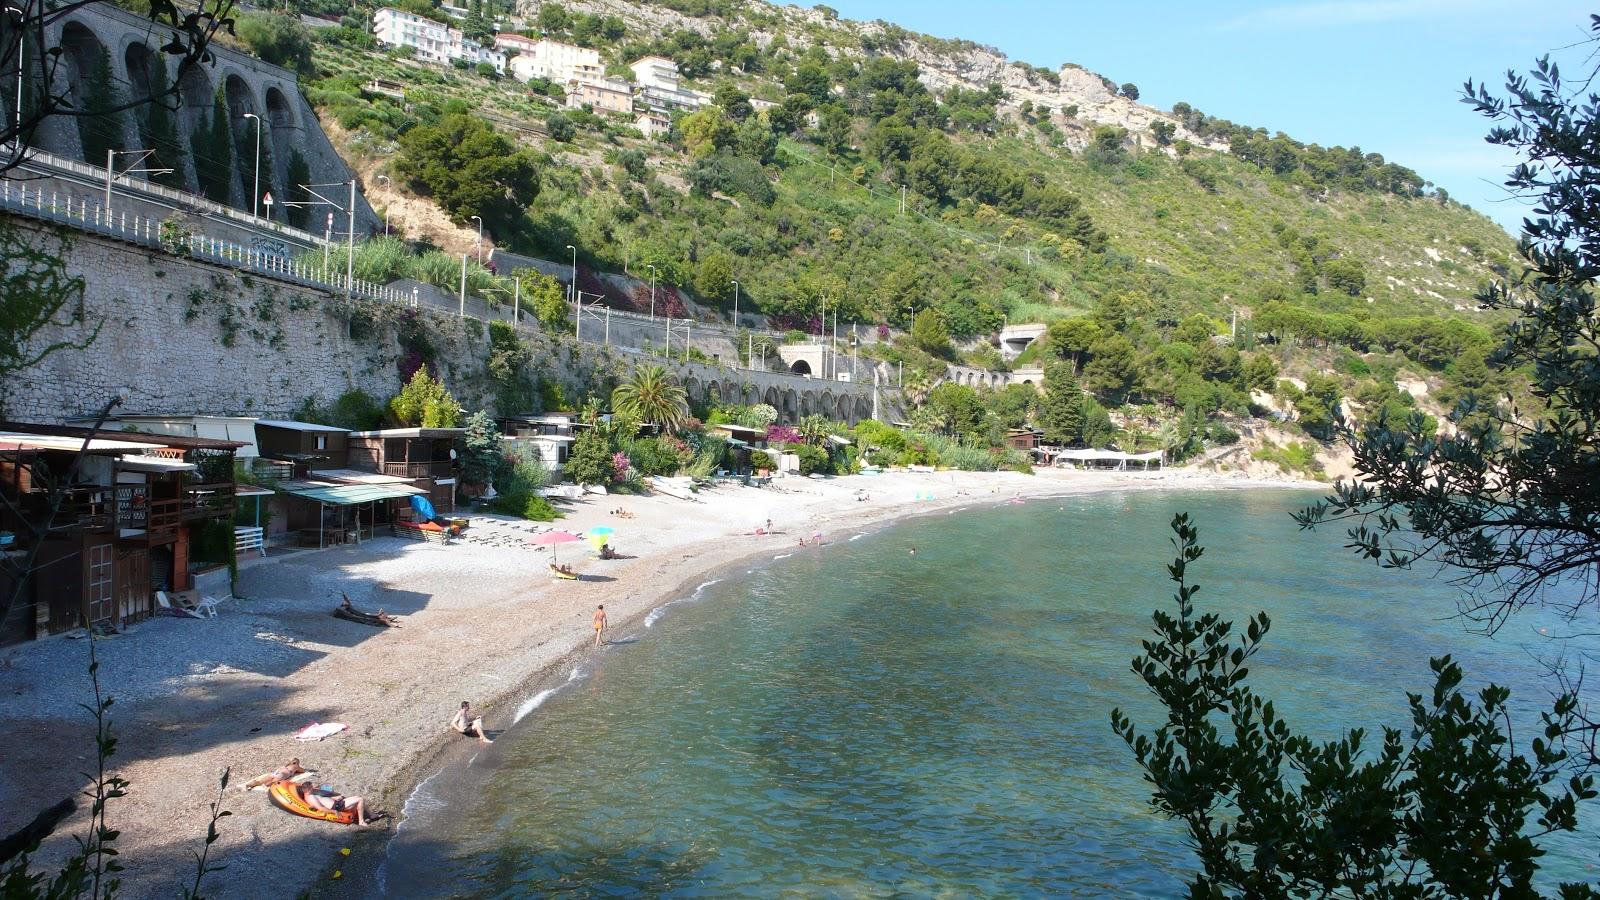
pixel 338 803
pixel 285 772
pixel 562 569
pixel 468 724
pixel 606 552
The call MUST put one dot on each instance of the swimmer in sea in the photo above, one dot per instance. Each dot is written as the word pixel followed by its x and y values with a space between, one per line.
pixel 913 551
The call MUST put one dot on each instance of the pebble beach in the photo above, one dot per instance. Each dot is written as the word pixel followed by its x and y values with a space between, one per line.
pixel 480 620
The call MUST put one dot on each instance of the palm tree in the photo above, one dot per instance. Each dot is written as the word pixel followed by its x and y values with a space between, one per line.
pixel 652 394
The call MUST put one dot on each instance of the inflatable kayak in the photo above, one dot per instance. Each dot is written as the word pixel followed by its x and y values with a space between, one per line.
pixel 287 796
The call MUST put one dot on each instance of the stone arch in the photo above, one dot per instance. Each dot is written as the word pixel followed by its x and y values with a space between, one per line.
pixel 195 93
pixel 141 65
pixel 752 395
pixel 791 405
pixel 801 367
pixel 771 398
pixel 863 410
pixel 825 403
pixel 279 113
pixel 236 92
pixel 81 50
pixel 714 393
pixel 842 410
pixel 805 405
pixel 693 389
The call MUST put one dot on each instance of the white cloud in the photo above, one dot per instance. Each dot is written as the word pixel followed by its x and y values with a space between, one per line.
pixel 1336 13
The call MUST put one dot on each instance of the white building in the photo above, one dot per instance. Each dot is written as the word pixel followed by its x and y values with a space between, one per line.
pixel 551 60
pixel 661 87
pixel 652 124
pixel 431 41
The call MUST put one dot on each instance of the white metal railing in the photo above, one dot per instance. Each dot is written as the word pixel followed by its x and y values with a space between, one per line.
pixel 40 159
pixel 147 231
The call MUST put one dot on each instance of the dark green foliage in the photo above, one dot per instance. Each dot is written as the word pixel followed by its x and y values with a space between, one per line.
pixel 1445 808
pixel 158 131
pixel 1111 369
pixel 559 126
pixel 211 149
pixel 471 169
pixel 1332 167
pixel 279 39
pixel 590 460
pixel 299 173
pixel 929 334
pixel 1061 410
pixel 1130 90
pixel 956 410
pixel 102 130
pixel 1346 276
pixel 733 175
pixel 813 459
pixel 1508 500
pixel 482 460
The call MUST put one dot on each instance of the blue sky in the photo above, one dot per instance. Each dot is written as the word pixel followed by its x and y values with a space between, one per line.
pixel 1383 75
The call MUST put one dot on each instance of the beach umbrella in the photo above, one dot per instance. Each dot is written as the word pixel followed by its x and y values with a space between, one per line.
pixel 600 535
pixel 552 538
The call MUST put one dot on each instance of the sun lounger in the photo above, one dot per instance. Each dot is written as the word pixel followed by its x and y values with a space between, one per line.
pixel 178 609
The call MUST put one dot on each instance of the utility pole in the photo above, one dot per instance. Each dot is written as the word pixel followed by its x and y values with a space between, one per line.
pixel 573 290
pixel 462 310
pixel 516 302
pixel 350 245
pixel 736 305
pixel 255 194
pixel 479 220
pixel 652 293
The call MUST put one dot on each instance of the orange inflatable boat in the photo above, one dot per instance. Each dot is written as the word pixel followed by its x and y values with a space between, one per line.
pixel 288 796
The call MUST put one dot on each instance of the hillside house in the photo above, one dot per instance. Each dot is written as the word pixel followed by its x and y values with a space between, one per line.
pixel 139 513
pixel 554 61
pixel 425 456
pixel 660 87
pixel 652 124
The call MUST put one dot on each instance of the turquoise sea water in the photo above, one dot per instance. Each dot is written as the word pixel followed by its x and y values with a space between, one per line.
pixel 857 721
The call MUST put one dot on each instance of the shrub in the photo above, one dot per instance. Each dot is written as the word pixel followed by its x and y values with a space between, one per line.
pixel 813 459
pixel 590 460
pixel 277 38
pixel 538 509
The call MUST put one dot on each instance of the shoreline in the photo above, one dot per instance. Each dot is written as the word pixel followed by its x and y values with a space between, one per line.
pixel 479 622
pixel 361 878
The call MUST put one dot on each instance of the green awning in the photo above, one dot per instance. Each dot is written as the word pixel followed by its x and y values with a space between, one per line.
pixel 349 494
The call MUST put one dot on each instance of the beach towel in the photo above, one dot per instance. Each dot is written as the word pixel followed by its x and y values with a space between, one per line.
pixel 316 731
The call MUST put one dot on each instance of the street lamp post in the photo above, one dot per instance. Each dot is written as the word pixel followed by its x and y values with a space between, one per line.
pixel 480 238
pixel 255 196
pixel 22 44
pixel 652 293
pixel 385 180
pixel 736 306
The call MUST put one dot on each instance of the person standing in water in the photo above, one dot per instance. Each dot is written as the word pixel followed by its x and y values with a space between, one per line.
pixel 599 623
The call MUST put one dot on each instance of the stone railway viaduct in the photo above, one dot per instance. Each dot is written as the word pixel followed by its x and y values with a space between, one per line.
pixel 132 45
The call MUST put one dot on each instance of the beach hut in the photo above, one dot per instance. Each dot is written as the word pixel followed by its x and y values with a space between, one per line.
pixel 306 446
pixel 426 456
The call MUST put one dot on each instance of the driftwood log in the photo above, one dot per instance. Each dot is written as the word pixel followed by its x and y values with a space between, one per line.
pixel 380 619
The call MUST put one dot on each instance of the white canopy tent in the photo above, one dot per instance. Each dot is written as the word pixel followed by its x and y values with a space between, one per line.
pixel 1107 459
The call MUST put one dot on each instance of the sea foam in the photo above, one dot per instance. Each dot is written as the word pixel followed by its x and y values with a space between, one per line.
pixel 537 700
pixel 658 612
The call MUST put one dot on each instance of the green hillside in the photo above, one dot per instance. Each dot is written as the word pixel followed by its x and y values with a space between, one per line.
pixel 866 193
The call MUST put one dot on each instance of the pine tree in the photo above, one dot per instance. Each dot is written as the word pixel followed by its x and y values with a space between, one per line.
pixel 213 152
pixel 299 173
pixel 100 130
pixel 158 131
pixel 269 184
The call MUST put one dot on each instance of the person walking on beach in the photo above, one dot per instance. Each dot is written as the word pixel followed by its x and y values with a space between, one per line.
pixel 468 724
pixel 599 623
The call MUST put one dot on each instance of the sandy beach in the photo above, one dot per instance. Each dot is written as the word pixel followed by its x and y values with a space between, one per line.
pixel 481 620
